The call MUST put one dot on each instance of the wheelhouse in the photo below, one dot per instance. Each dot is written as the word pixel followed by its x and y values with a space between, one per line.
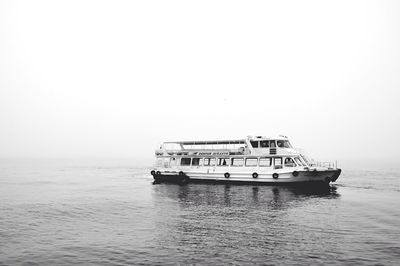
pixel 273 143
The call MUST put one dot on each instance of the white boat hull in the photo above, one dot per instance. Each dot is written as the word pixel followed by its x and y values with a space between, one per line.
pixel 273 176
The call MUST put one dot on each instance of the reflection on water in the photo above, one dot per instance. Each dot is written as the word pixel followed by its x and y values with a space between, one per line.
pixel 273 225
pixel 224 194
pixel 228 220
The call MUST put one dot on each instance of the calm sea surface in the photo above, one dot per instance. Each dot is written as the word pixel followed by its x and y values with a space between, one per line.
pixel 61 213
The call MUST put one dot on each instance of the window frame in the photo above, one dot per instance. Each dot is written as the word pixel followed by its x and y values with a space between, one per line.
pixel 279 166
pixel 288 145
pixel 210 160
pixel 293 162
pixel 264 141
pixel 255 141
pixel 184 158
pixel 233 159
pixel 280 141
pixel 251 158
pixel 270 162
pixel 200 161
pixel 220 159
pixel 272 141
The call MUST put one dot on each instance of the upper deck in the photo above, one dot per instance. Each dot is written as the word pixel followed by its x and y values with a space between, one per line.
pixel 256 146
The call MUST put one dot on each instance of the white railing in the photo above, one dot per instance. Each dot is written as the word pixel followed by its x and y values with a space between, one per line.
pixel 312 162
pixel 192 151
pixel 330 165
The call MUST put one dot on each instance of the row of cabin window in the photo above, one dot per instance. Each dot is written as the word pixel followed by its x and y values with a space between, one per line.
pixel 251 162
pixel 270 144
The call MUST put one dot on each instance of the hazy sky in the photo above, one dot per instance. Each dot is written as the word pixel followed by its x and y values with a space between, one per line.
pixel 114 78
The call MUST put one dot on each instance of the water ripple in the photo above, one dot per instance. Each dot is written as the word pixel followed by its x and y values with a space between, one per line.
pixel 113 216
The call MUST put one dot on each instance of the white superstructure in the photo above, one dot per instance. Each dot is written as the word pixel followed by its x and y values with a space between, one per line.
pixel 253 159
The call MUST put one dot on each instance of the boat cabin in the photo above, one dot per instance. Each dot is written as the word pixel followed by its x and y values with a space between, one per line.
pixel 275 162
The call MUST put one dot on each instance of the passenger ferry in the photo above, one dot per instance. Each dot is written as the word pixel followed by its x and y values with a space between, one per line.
pixel 253 160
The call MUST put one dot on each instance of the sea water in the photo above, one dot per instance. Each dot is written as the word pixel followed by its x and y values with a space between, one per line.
pixel 100 213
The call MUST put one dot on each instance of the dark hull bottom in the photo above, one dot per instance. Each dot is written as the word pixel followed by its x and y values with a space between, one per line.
pixel 178 179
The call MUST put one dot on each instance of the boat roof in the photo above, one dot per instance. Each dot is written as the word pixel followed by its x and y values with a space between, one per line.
pixel 208 142
pixel 236 141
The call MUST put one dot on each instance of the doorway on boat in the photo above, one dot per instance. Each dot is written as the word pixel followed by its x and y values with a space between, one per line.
pixel 173 162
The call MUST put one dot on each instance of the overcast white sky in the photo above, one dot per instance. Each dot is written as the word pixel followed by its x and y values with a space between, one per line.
pixel 114 78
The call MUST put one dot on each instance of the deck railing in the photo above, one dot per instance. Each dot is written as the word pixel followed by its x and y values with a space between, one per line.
pixel 330 165
pixel 189 151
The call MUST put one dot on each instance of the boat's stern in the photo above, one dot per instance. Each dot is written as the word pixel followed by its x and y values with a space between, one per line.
pixel 169 176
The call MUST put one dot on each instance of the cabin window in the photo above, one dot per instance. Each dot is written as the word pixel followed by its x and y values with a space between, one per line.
pixel 209 161
pixel 266 162
pixel 298 161
pixel 185 161
pixel 283 144
pixel 223 161
pixel 264 144
pixel 159 162
pixel 289 162
pixel 254 143
pixel 237 161
pixel 251 162
pixel 196 161
pixel 278 162
pixel 166 162
pixel 272 144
